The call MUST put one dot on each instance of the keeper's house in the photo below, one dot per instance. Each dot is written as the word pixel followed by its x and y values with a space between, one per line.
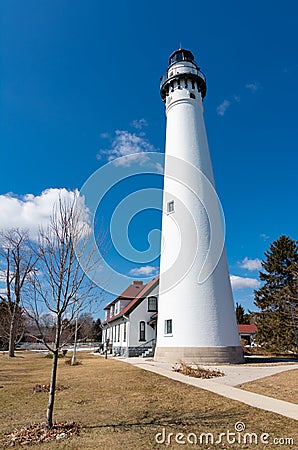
pixel 130 322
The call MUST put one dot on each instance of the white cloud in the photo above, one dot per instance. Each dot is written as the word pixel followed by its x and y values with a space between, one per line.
pixel 290 69
pixel 243 283
pixel 145 270
pixel 251 264
pixel 139 124
pixel 3 276
pixel 253 87
pixel 30 212
pixel 264 236
pixel 132 146
pixel 159 168
pixel 221 109
pixel 104 135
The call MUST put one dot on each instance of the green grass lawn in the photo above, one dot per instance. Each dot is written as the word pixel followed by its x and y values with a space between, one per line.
pixel 120 406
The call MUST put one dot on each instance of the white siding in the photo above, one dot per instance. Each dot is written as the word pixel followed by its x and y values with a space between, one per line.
pixel 140 313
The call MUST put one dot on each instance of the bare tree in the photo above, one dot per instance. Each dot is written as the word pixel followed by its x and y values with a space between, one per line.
pixel 18 264
pixel 60 287
pixel 20 324
pixel 83 328
pixel 85 324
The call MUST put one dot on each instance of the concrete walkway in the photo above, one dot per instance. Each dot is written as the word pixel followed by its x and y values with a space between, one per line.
pixel 224 386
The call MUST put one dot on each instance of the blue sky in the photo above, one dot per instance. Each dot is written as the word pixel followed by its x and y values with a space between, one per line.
pixel 78 80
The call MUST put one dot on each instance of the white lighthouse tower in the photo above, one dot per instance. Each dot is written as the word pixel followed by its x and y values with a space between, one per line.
pixel 196 318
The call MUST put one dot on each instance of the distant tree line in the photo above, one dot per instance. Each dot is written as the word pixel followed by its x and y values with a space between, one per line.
pixel 89 329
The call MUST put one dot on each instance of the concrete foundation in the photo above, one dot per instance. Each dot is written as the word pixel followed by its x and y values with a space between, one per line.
pixel 200 355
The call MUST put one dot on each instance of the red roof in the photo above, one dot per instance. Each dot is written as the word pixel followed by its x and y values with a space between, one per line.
pixel 129 293
pixel 142 294
pixel 251 328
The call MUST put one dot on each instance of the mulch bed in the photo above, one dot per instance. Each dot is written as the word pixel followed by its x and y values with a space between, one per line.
pixel 46 388
pixel 196 371
pixel 38 433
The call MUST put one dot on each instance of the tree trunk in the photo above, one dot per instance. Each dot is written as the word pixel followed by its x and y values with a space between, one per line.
pixel 11 337
pixel 74 356
pixel 50 408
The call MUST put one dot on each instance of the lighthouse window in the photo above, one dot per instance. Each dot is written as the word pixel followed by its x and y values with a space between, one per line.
pixel 170 207
pixel 192 95
pixel 168 326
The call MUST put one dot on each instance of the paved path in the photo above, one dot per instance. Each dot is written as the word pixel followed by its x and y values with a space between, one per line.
pixel 225 389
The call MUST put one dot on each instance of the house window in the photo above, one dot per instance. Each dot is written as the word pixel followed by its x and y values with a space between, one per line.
pixel 118 333
pixel 170 207
pixel 142 331
pixel 152 304
pixel 124 332
pixel 168 326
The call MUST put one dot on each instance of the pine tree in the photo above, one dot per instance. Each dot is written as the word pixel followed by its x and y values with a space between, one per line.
pixel 278 297
pixel 97 330
pixel 241 317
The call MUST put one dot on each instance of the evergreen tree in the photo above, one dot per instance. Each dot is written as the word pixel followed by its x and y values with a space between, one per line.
pixel 241 317
pixel 278 297
pixel 97 330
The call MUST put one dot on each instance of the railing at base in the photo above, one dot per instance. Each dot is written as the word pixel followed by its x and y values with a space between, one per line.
pixel 145 344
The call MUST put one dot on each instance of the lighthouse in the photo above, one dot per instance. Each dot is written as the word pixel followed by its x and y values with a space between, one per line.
pixel 196 318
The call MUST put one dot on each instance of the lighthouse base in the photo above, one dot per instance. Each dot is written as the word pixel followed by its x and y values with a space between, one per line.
pixel 200 355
